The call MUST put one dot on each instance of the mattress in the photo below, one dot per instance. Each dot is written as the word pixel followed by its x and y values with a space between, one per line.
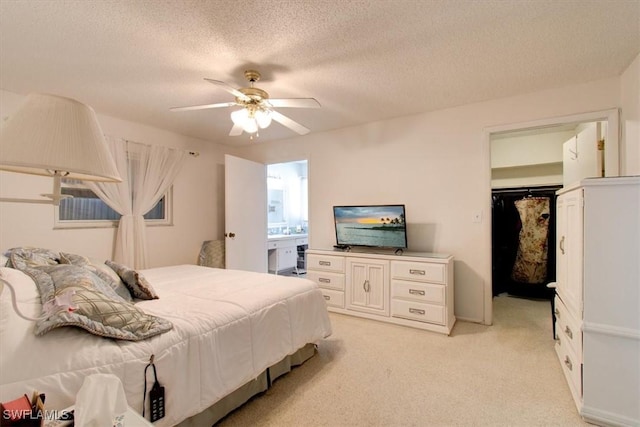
pixel 229 326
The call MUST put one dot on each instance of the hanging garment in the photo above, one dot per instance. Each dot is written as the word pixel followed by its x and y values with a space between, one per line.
pixel 531 259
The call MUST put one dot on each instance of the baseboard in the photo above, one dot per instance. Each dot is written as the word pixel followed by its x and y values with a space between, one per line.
pixel 601 417
pixel 469 319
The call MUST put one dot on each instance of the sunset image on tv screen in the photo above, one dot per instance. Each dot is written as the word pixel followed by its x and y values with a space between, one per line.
pixel 377 226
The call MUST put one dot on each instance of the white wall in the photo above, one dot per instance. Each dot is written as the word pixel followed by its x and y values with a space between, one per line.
pixel 198 201
pixel 630 118
pixel 437 164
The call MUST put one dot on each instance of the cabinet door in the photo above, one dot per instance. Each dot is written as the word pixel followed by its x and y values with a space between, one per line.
pixel 569 253
pixel 287 257
pixel 378 287
pixel 368 285
pixel 357 284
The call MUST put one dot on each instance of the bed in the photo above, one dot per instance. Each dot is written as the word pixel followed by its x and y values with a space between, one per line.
pixel 231 333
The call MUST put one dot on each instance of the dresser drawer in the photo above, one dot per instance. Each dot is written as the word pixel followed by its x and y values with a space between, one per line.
pixel 418 311
pixel 326 279
pixel 415 291
pixel 333 298
pixel 571 365
pixel 325 263
pixel 302 241
pixel 568 329
pixel 422 272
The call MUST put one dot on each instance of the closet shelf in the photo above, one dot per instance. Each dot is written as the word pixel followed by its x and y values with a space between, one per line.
pixel 533 165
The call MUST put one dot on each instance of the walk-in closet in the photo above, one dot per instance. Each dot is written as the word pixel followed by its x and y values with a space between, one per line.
pixel 527 168
pixel 523 235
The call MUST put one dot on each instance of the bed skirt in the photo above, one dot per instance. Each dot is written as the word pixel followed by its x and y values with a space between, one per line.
pixel 227 404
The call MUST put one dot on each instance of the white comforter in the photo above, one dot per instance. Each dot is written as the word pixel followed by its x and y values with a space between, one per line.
pixel 229 326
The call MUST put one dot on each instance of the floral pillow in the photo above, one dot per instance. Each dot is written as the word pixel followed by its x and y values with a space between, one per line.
pixel 135 281
pixel 105 273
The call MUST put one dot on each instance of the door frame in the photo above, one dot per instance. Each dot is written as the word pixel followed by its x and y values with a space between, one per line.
pixel 294 160
pixel 612 168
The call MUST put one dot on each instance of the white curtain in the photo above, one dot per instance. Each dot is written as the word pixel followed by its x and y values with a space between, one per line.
pixel 147 172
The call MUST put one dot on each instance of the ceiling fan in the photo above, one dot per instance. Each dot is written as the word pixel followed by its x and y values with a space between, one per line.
pixel 256 108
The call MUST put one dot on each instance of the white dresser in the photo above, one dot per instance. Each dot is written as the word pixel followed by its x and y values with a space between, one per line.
pixel 412 289
pixel 598 297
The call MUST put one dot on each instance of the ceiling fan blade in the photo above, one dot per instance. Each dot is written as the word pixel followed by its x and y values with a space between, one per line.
pixel 286 121
pixel 294 102
pixel 233 91
pixel 236 130
pixel 203 107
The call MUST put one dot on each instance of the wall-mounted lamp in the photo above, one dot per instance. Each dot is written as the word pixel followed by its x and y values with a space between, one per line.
pixel 55 136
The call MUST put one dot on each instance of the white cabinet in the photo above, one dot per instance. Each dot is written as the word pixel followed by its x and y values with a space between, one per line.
pixel 412 289
pixel 283 253
pixel 368 281
pixel 598 297
pixel 569 255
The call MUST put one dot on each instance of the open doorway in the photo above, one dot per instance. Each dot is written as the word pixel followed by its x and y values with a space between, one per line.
pixel 529 163
pixel 287 217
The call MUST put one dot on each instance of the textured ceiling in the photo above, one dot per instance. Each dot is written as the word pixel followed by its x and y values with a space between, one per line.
pixel 362 60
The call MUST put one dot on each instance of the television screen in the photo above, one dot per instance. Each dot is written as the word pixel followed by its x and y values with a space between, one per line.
pixel 376 226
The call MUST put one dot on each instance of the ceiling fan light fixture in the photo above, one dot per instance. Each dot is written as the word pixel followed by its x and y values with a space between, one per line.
pixel 240 117
pixel 250 125
pixel 256 109
pixel 263 117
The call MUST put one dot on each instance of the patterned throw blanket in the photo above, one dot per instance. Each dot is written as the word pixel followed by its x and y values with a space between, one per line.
pixel 75 292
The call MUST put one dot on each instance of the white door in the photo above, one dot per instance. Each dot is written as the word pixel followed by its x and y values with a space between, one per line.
pixel 245 196
pixel 582 155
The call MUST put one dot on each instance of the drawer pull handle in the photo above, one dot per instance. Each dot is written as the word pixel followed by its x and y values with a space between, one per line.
pixel 567 362
pixel 556 312
pixel 366 286
pixel 327 297
pixel 416 292
pixel 416 311
pixel 323 280
pixel 567 331
pixel 418 272
pixel 562 245
pixel 325 263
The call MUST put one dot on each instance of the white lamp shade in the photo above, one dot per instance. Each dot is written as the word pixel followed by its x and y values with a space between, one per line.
pixel 240 117
pixel 52 133
pixel 250 126
pixel 263 117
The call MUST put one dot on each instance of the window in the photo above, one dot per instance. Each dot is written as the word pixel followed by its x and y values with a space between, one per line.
pixel 86 210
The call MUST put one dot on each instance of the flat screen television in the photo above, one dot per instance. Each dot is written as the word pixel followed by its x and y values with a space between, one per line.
pixel 379 226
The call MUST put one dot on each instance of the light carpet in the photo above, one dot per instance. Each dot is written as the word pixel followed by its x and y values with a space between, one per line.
pixel 369 373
